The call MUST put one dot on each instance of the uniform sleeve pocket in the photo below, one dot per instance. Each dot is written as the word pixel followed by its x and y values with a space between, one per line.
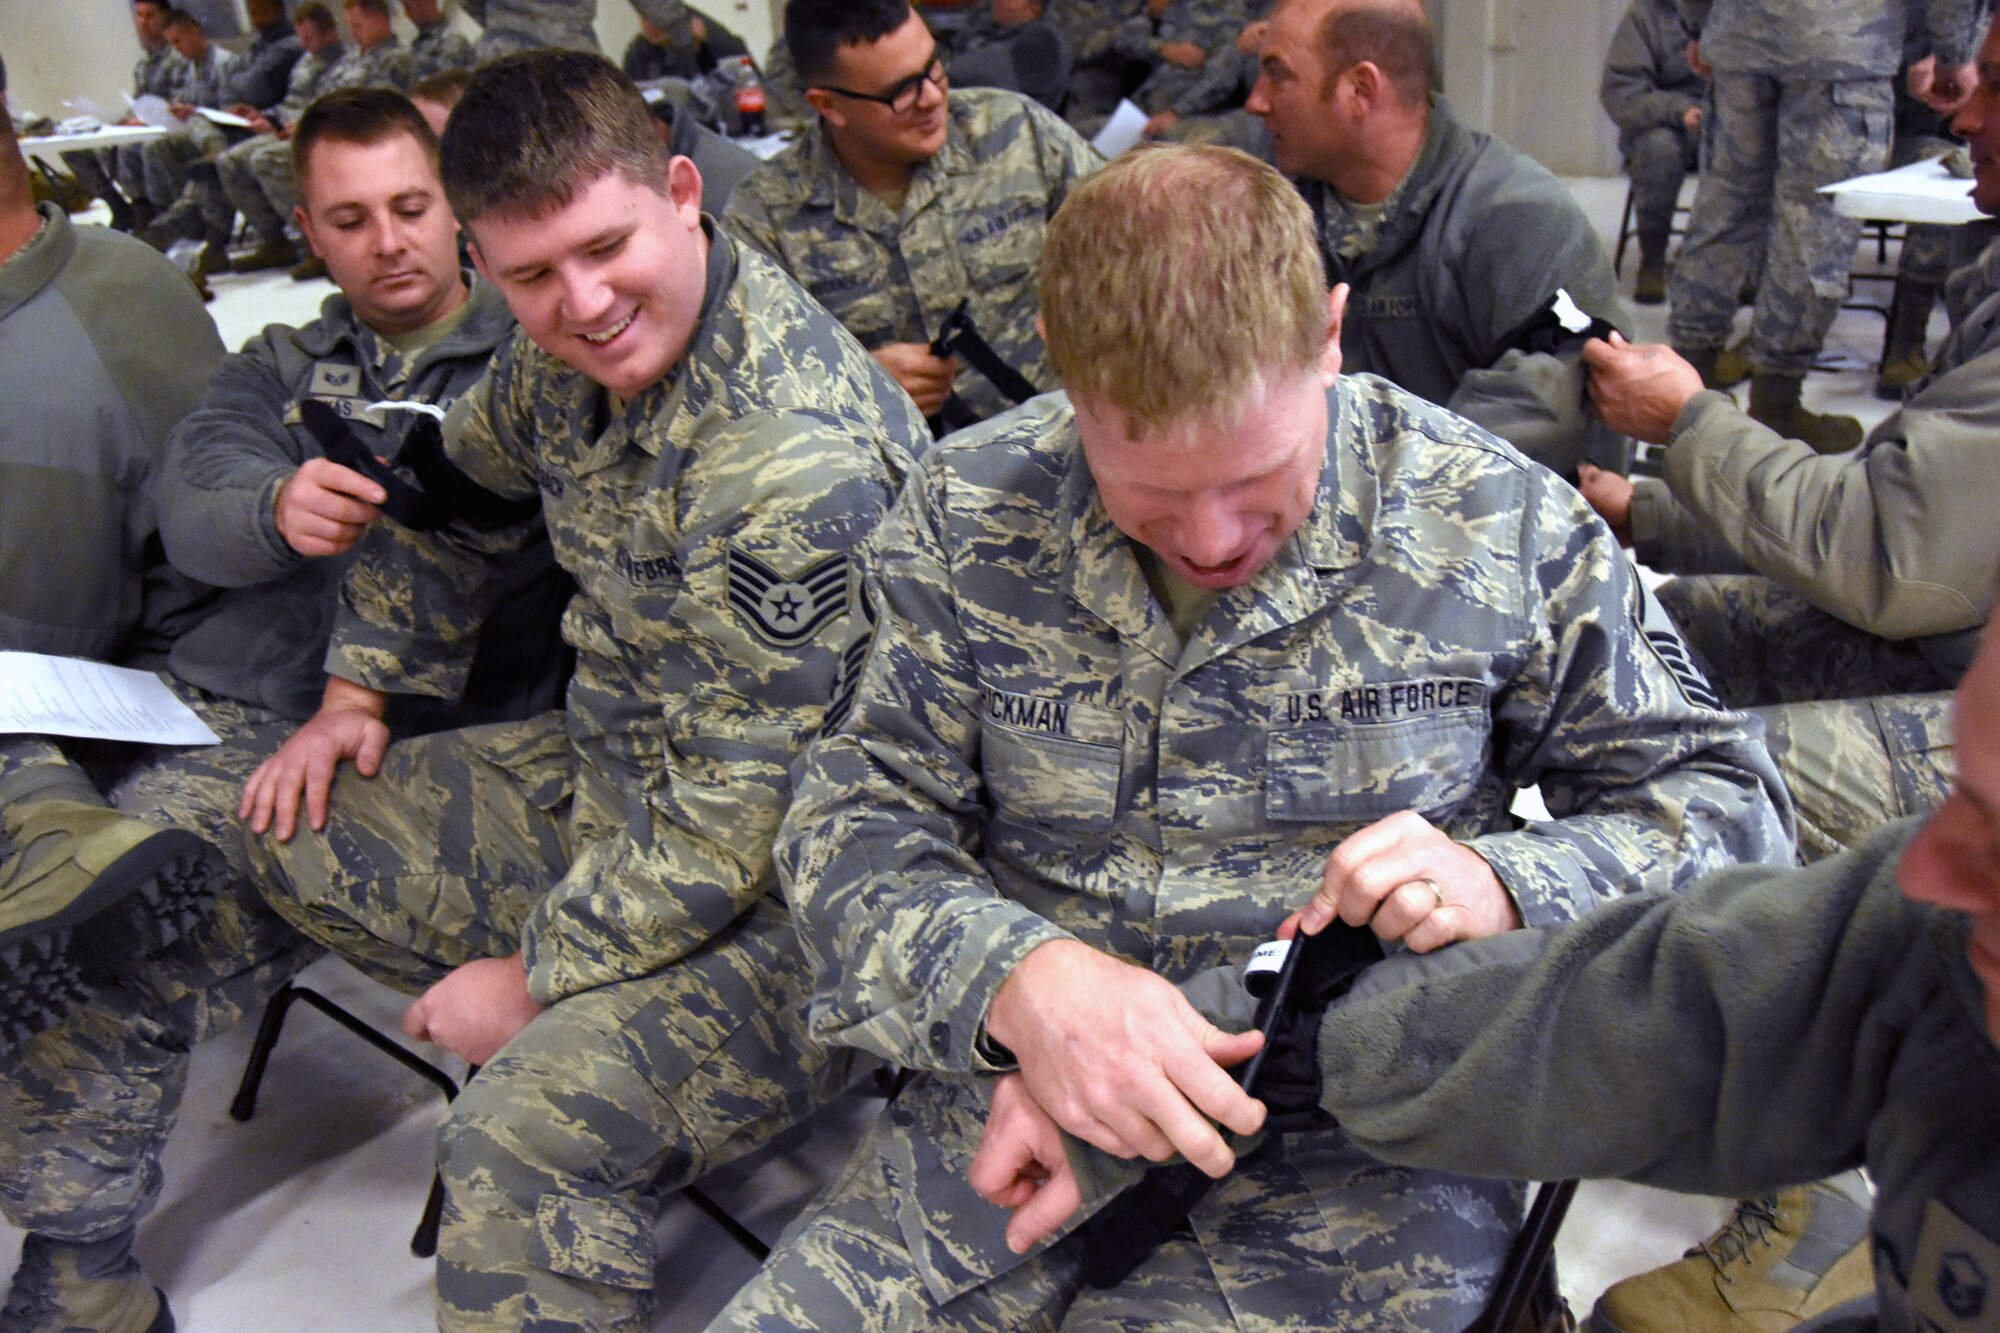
pixel 594 1240
pixel 1339 774
pixel 1052 781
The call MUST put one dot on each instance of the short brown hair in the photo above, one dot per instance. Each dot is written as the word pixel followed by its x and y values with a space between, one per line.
pixel 1177 279
pixel 1393 35
pixel 535 128
pixel 315 13
pixel 380 8
pixel 360 116
pixel 444 87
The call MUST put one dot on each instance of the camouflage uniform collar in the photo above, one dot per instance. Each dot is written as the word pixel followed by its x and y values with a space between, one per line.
pixel 1100 570
pixel 488 323
pixel 1404 211
pixel 38 263
pixel 830 186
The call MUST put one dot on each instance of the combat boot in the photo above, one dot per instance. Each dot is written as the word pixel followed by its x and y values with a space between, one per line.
pixel 1732 367
pixel 268 254
pixel 1903 359
pixel 83 891
pixel 1774 400
pixel 1780 1261
pixel 1702 359
pixel 61 1286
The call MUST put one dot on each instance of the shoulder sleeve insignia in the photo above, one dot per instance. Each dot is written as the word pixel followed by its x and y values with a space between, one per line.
pixel 786 612
pixel 1667 645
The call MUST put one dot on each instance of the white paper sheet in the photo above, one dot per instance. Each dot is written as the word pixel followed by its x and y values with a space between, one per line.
pixel 1120 132
pixel 229 118
pixel 67 696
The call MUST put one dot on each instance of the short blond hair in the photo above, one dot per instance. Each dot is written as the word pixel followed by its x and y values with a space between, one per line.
pixel 1178 280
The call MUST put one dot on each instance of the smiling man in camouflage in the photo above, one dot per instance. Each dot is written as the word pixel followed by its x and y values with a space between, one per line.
pixel 908 199
pixel 586 901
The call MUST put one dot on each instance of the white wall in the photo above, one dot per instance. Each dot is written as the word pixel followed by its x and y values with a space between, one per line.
pixel 56 49
pixel 1528 70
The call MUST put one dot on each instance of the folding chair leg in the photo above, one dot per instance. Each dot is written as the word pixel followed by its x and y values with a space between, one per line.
pixel 424 1242
pixel 1529 1260
pixel 268 1031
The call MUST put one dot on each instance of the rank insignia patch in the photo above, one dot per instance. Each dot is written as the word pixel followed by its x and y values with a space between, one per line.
pixel 786 611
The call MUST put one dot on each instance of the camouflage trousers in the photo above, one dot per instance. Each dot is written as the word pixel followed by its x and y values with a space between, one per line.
pixel 1771 144
pixel 166 160
pixel 1859 726
pixel 556 1156
pixel 257 179
pixel 1657 159
pixel 86 1107
pixel 1318 1236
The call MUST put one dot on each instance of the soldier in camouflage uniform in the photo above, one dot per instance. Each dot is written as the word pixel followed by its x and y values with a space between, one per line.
pixel 1655 99
pixel 207 77
pixel 86 1107
pixel 1195 68
pixel 1801 99
pixel 892 217
pixel 1099 74
pixel 589 896
pixel 436 47
pixel 256 175
pixel 1135 689
pixel 378 59
pixel 510 26
pixel 1861 578
pixel 1475 275
pixel 106 172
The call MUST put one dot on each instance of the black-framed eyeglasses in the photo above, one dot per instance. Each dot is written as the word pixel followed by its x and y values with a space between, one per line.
pixel 902 97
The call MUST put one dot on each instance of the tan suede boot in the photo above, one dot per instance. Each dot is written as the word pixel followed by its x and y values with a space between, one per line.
pixel 1778 1262
pixel 1774 400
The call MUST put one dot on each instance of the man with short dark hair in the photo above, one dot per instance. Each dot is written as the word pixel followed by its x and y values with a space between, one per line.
pixel 206 78
pixel 248 502
pixel 1152 660
pixel 264 69
pixel 256 175
pixel 591 913
pixel 909 201
pixel 118 175
pixel 1459 249
pixel 436 47
pixel 378 59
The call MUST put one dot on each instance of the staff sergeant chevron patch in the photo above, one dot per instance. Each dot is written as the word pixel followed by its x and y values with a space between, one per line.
pixel 1666 642
pixel 781 611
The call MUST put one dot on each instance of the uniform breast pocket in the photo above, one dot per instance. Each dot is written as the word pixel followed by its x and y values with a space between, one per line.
pixel 1341 774
pixel 1053 782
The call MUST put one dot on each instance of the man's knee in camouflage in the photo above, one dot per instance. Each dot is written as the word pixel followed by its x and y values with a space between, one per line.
pixel 1763 644
pixel 555 1157
pixel 1854 765
pixel 435 861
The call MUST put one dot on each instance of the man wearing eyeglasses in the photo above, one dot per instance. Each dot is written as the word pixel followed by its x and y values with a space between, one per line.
pixel 909 199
